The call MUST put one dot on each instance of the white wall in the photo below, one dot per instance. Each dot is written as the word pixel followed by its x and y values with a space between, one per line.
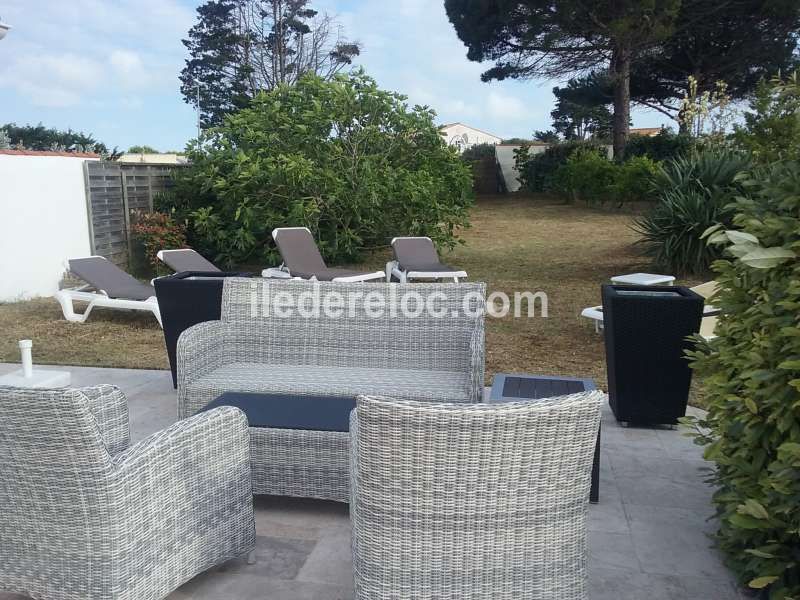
pixel 43 221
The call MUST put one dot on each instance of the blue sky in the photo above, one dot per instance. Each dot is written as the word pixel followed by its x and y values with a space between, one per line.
pixel 110 67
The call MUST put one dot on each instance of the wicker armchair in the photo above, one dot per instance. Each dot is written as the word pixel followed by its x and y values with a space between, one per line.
pixel 472 501
pixel 253 348
pixel 85 516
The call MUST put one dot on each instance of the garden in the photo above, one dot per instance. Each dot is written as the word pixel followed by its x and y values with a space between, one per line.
pixel 357 165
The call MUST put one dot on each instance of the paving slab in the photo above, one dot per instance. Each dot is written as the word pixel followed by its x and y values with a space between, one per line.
pixel 648 536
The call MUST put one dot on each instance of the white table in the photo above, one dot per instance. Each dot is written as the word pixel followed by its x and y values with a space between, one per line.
pixel 643 279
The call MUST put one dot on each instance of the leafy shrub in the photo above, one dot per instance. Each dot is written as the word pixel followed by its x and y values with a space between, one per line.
pixel 633 181
pixel 752 380
pixel 593 178
pixel 536 171
pixel 157 231
pixel 478 152
pixel 585 176
pixel 351 162
pixel 772 128
pixel 693 193
pixel 663 146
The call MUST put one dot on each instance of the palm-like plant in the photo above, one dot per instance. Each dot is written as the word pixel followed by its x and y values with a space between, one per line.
pixel 694 192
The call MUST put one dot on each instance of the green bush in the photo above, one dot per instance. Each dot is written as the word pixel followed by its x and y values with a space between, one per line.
pixel 752 379
pixel 633 181
pixel 585 176
pixel 352 162
pixel 693 193
pixel 772 129
pixel 663 146
pixel 478 152
pixel 593 178
pixel 536 171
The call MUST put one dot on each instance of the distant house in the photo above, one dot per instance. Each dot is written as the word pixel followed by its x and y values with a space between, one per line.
pixel 646 131
pixel 463 136
pixel 169 158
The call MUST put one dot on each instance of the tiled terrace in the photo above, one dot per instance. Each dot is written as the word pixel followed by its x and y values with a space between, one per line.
pixel 648 534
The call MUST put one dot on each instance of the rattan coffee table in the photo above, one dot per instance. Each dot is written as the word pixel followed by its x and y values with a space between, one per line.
pixel 299 445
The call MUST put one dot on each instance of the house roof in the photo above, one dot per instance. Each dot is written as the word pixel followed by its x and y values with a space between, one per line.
pixel 49 153
pixel 446 125
pixel 645 130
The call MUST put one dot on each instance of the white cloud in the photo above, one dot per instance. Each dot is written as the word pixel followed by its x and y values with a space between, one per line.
pixel 129 68
pixel 505 107
pixel 53 80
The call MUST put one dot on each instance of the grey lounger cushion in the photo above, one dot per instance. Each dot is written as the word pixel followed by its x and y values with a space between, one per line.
pixel 105 275
pixel 186 259
pixel 301 255
pixel 418 254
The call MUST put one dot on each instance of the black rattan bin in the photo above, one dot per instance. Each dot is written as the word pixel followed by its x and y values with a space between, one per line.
pixel 645 335
pixel 185 299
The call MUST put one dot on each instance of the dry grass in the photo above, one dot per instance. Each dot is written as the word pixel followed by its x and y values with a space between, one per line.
pixel 516 244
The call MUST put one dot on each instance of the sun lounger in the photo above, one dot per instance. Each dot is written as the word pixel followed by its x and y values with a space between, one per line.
pixel 416 258
pixel 707 325
pixel 186 259
pixel 107 286
pixel 301 258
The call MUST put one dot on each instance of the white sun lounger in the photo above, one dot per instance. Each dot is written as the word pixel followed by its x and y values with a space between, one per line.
pixel 186 259
pixel 416 258
pixel 301 258
pixel 107 286
pixel 707 325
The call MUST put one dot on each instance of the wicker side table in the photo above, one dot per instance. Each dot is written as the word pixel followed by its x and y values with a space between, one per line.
pixel 299 445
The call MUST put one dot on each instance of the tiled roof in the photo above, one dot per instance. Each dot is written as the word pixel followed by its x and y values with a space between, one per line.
pixel 49 153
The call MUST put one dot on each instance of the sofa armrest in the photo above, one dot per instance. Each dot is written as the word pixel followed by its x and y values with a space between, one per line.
pixel 188 488
pixel 109 407
pixel 477 361
pixel 201 348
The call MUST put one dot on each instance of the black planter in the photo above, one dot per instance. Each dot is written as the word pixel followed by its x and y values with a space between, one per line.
pixel 186 299
pixel 645 335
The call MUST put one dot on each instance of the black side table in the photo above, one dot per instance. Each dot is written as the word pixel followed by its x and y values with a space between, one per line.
pixel 185 299
pixel 514 387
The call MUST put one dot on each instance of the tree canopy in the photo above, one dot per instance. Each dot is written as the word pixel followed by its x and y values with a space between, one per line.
pixel 633 49
pixel 241 47
pixel 145 149
pixel 581 111
pixel 39 137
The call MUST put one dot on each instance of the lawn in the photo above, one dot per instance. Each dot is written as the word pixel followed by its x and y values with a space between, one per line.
pixel 515 244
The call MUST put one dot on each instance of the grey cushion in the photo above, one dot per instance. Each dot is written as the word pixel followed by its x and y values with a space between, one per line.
pixel 187 259
pixel 105 275
pixel 418 254
pixel 445 386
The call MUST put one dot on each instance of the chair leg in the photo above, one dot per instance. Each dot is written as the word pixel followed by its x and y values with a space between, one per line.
pixel 251 557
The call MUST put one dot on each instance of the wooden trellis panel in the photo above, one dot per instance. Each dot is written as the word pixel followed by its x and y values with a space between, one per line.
pixel 113 191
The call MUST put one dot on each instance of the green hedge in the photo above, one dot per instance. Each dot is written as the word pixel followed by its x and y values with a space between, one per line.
pixel 590 177
pixel 752 379
pixel 536 171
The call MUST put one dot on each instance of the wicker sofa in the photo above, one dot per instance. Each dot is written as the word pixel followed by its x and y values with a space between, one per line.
pixel 85 516
pixel 256 346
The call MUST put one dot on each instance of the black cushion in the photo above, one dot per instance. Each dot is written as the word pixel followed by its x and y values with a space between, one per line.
pixel 283 411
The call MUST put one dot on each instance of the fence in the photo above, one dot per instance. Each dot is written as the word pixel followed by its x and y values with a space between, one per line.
pixel 113 191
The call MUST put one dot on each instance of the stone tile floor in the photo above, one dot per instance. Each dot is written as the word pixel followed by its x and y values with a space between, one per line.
pixel 648 536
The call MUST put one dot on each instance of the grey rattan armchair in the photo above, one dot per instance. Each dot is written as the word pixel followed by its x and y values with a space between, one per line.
pixel 278 337
pixel 84 516
pixel 485 501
